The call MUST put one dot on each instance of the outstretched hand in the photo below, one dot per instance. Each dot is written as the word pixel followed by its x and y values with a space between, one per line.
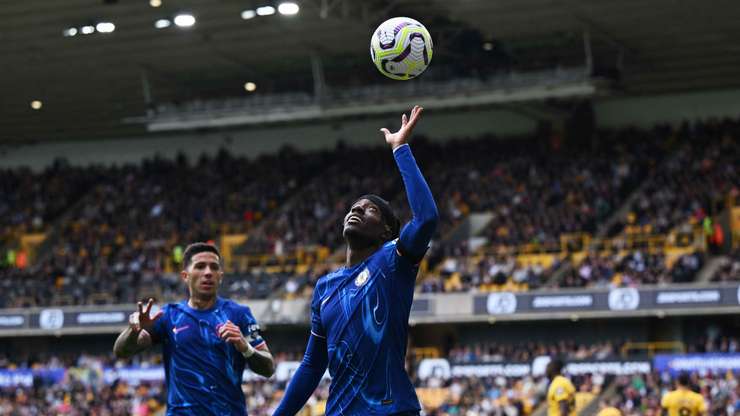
pixel 141 319
pixel 407 126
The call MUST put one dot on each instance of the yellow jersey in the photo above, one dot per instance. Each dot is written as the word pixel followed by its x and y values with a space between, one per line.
pixel 609 411
pixel 583 398
pixel 561 389
pixel 684 402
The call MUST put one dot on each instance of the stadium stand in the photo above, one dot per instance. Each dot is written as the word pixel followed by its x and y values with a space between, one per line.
pixel 730 270
pixel 123 235
pixel 584 157
pixel 698 175
pixel 83 383
pixel 640 394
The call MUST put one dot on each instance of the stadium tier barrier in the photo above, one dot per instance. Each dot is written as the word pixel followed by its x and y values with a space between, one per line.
pixel 572 304
pixel 440 368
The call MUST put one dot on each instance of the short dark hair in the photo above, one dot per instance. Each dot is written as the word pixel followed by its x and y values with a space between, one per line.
pixel 556 365
pixel 196 248
pixel 684 379
pixel 389 216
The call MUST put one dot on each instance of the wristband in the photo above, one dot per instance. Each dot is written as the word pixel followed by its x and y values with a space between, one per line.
pixel 250 350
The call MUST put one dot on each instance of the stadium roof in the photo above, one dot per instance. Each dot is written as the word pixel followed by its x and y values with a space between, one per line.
pixel 89 84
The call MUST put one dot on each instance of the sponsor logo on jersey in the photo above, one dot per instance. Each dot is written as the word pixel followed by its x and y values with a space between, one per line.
pixel 180 329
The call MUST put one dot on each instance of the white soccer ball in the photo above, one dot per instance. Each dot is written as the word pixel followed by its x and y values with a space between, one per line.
pixel 401 48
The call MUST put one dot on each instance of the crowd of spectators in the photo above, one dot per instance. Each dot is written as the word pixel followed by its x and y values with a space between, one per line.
pixel 20 288
pixel 719 341
pixel 26 205
pixel 131 220
pixel 535 189
pixel 313 215
pixel 491 273
pixel 486 273
pixel 641 394
pixel 84 390
pixel 118 233
pixel 693 180
pixel 634 268
pixel 538 195
pixel 122 238
pixel 729 269
pixel 526 351
pixel 81 390
pixel 482 396
pixel 500 396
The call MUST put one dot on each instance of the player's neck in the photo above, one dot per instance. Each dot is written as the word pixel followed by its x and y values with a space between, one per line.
pixel 357 255
pixel 201 303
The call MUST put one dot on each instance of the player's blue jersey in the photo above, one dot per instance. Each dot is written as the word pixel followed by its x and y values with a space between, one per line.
pixel 364 312
pixel 204 373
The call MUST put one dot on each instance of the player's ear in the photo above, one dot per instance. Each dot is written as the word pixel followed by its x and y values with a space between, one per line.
pixel 184 275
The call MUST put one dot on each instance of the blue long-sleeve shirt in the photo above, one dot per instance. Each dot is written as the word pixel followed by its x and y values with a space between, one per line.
pixel 359 319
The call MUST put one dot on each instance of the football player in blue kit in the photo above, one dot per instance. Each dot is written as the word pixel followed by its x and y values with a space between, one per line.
pixel 207 341
pixel 360 312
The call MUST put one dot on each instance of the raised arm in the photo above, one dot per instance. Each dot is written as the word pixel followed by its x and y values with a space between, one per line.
pixel 417 234
pixel 137 337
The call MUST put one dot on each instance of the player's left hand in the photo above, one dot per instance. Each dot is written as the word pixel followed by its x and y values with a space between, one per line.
pixel 407 126
pixel 231 333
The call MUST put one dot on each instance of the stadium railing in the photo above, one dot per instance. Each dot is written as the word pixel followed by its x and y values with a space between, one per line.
pixel 651 348
pixel 513 87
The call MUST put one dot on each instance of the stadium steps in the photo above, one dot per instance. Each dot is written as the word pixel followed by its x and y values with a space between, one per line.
pixel 285 206
pixel 603 230
pixel 565 267
pixel 45 249
pixel 471 226
pixel 541 409
pixel 593 407
pixel 711 266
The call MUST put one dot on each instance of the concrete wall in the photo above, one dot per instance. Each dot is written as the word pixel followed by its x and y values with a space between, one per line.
pixel 260 140
pixel 674 108
pixel 253 141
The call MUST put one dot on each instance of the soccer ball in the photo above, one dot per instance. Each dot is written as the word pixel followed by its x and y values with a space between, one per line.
pixel 401 48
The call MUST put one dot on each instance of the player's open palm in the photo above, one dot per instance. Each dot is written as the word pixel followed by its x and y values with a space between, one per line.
pixel 407 126
pixel 141 319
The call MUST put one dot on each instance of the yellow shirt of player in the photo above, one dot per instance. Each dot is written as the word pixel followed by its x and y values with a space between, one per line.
pixel 609 411
pixel 561 389
pixel 684 402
